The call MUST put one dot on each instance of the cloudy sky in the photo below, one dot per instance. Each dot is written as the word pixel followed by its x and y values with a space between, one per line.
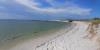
pixel 49 9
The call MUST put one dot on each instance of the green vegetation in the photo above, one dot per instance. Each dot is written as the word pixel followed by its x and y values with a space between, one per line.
pixel 96 21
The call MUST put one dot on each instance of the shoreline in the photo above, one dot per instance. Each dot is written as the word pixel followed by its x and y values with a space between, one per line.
pixel 73 37
pixel 33 43
pixel 12 32
pixel 73 40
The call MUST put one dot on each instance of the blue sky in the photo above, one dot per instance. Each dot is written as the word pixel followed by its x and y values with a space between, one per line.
pixel 49 9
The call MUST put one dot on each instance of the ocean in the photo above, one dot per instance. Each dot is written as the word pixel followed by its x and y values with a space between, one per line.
pixel 10 30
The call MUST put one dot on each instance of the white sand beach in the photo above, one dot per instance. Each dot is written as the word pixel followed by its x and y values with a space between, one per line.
pixel 73 38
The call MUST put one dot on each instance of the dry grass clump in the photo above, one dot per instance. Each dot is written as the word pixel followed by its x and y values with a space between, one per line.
pixel 94 24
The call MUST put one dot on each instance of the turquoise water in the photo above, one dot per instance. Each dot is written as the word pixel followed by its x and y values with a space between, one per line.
pixel 13 29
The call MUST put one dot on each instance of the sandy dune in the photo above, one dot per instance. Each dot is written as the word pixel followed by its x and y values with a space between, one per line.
pixel 76 38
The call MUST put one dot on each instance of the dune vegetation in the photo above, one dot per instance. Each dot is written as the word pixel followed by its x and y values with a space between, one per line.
pixel 95 21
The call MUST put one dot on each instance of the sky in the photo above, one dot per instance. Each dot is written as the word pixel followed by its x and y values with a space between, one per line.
pixel 49 9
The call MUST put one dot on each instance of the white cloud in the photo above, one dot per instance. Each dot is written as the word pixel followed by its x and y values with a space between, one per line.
pixel 56 3
pixel 1 7
pixel 71 9
pixel 7 15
